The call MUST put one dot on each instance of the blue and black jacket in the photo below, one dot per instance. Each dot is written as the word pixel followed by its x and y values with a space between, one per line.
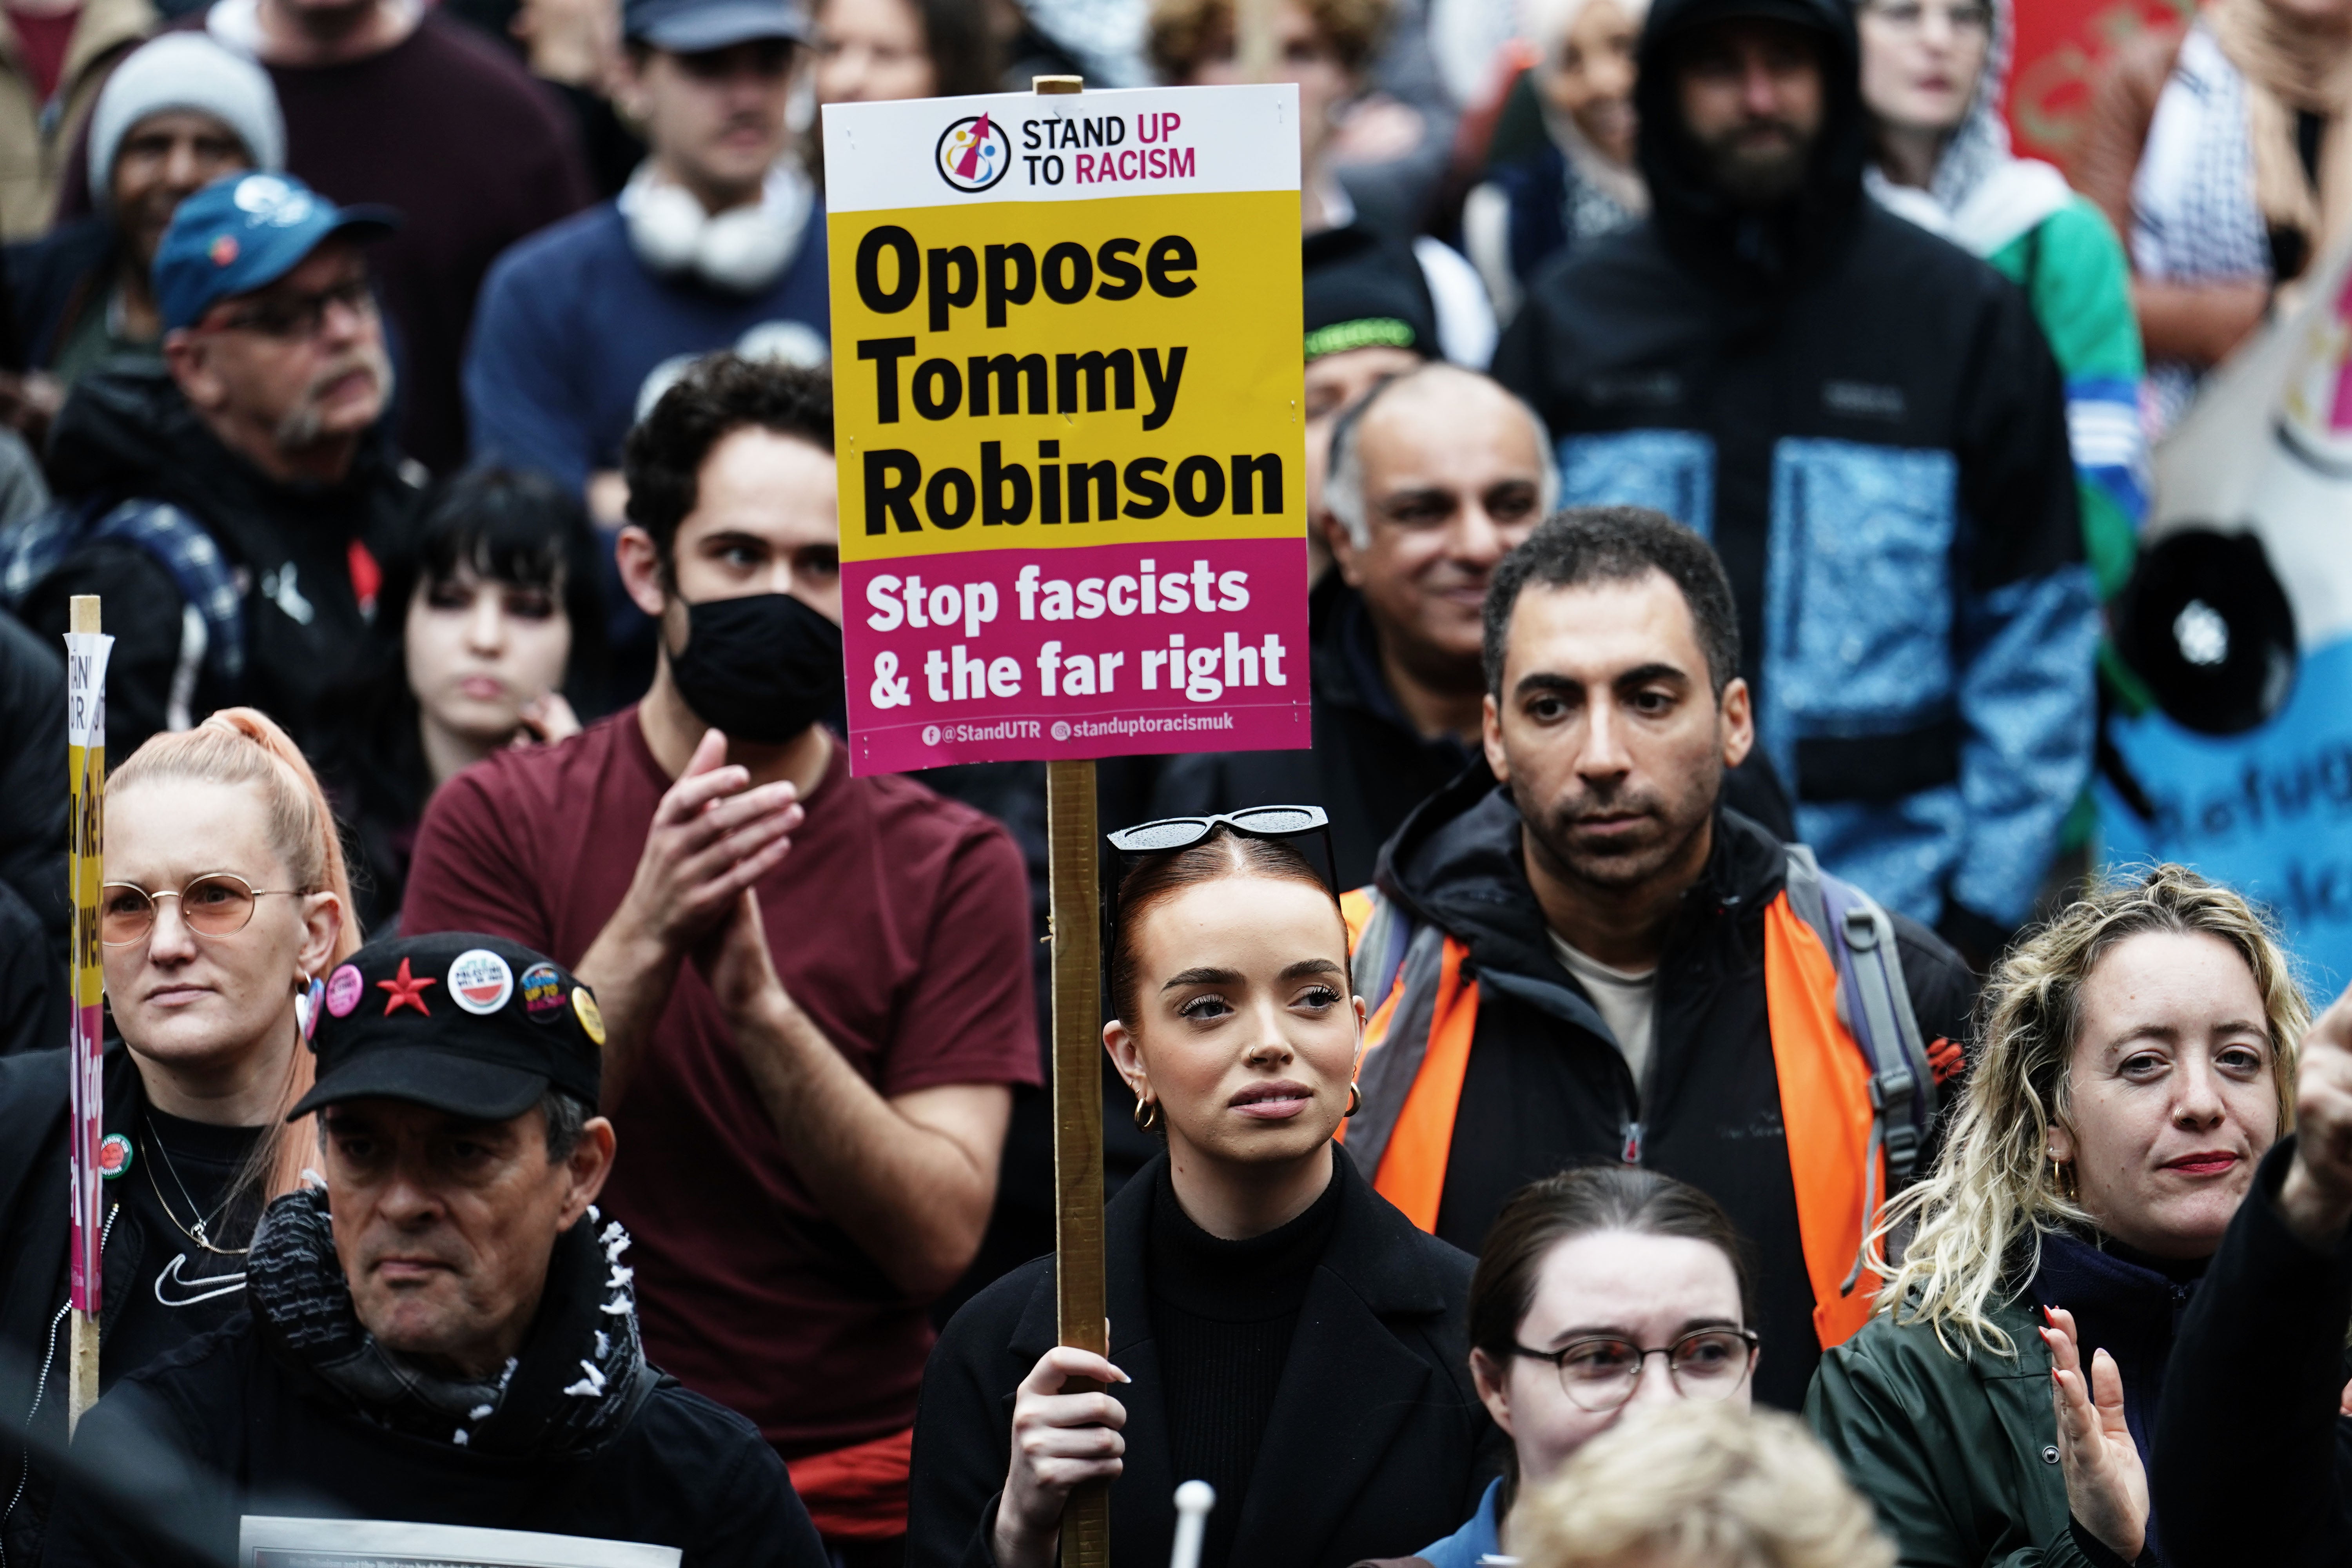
pixel 1869 425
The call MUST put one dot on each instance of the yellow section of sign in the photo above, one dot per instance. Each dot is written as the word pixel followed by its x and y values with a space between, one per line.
pixel 1038 375
pixel 86 793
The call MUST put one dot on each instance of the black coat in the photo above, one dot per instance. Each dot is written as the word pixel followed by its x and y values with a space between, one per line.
pixel 34 1206
pixel 55 280
pixel 33 911
pixel 1377 1444
pixel 234 1424
pixel 1369 767
pixel 1547 1089
pixel 2253 1460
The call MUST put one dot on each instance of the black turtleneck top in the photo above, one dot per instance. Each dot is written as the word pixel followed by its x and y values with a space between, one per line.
pixel 1222 1313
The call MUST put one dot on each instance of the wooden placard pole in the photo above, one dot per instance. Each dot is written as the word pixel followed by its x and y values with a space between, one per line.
pixel 86 787
pixel 1257 46
pixel 1072 851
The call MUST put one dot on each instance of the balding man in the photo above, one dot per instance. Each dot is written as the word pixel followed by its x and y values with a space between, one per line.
pixel 1433 478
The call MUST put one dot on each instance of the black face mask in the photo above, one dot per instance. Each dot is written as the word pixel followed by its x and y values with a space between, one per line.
pixel 760 668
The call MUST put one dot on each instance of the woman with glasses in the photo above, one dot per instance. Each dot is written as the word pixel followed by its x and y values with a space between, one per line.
pixel 223 909
pixel 1277 1329
pixel 2136 1059
pixel 1935 74
pixel 1598 1291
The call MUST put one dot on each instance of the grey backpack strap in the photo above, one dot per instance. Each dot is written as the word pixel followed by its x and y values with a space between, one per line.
pixel 1875 1004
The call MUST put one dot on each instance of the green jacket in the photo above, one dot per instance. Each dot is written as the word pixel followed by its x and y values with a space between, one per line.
pixel 1959 1454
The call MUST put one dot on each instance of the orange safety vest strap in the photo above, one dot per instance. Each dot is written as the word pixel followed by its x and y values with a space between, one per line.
pixel 1412 1168
pixel 1825 1110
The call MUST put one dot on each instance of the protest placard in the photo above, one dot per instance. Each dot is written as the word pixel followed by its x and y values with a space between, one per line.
pixel 1067 419
pixel 268 1541
pixel 87 649
pixel 2241 618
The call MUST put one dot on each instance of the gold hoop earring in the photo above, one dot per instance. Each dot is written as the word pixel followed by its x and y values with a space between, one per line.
pixel 1354 1100
pixel 2058 1181
pixel 1146 1114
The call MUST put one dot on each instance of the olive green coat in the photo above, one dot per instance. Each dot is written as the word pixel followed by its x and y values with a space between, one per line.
pixel 1959 1454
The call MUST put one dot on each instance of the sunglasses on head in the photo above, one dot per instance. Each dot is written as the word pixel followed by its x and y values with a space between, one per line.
pixel 1171 834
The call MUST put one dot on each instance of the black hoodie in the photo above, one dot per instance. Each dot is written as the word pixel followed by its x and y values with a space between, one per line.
pixel 128 434
pixel 1867 422
pixel 1547 1088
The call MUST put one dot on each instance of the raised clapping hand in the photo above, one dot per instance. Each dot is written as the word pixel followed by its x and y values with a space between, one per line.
pixel 1060 1441
pixel 713 836
pixel 2107 1485
pixel 2315 1200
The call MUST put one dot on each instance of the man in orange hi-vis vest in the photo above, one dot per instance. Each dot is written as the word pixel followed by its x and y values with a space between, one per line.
pixel 1598 960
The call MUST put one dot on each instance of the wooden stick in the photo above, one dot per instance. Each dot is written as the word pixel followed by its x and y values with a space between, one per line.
pixel 1257 47
pixel 1072 853
pixel 87 872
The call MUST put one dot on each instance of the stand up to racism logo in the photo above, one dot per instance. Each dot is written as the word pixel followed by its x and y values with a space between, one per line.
pixel 973 153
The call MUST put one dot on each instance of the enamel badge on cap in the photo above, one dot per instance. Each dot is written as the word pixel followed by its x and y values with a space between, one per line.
pixel 344 988
pixel 543 993
pixel 592 1020
pixel 480 981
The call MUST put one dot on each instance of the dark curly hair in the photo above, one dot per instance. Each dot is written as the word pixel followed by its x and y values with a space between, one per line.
pixel 722 393
pixel 1580 544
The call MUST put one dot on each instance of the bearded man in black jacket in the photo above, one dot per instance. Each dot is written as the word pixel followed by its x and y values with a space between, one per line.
pixel 445 1334
pixel 1867 424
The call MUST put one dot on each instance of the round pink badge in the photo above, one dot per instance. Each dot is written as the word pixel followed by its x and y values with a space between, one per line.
pixel 343 989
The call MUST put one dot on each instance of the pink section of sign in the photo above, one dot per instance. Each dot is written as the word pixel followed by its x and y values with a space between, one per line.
pixel 82 1167
pixel 1092 652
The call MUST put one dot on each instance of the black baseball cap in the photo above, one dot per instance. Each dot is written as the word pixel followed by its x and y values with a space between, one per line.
pixel 473 1025
pixel 699 26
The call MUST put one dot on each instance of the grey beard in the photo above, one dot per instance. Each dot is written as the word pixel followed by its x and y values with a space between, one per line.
pixel 300 428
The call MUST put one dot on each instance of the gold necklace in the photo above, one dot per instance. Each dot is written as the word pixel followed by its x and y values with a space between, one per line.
pixel 198 1235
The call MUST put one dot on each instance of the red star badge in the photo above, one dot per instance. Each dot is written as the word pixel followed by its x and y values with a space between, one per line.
pixel 407 991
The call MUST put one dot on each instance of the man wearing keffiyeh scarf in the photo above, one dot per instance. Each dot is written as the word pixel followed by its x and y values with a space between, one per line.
pixel 444 1332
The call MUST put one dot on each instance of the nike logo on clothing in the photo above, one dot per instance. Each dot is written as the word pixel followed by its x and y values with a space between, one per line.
pixel 187 1292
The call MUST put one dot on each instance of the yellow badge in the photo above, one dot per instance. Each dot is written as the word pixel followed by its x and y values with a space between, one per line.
pixel 592 1020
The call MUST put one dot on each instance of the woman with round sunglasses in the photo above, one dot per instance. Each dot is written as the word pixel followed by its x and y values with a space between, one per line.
pixel 1599 1291
pixel 2136 1059
pixel 1276 1328
pixel 224 906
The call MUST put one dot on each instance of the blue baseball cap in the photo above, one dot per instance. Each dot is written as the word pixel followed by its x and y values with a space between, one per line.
pixel 699 26
pixel 245 232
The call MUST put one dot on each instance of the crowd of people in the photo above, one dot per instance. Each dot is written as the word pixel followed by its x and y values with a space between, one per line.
pixel 545 1091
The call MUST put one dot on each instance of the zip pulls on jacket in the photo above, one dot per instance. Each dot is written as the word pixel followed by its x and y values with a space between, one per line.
pixel 40 1391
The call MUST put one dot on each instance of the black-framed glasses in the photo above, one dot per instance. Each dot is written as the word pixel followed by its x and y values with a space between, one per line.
pixel 298 317
pixel 1170 834
pixel 218 903
pixel 1600 1371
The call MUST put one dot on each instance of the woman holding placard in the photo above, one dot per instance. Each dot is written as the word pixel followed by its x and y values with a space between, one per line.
pixel 1276 1328
pixel 224 909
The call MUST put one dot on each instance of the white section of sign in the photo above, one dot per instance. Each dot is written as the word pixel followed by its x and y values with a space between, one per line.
pixel 86 655
pixel 1061 147
pixel 2252 452
pixel 267 1541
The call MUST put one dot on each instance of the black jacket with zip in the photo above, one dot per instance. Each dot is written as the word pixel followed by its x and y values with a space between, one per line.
pixel 1547 1088
pixel 34 1208
pixel 1376 1443
pixel 128 434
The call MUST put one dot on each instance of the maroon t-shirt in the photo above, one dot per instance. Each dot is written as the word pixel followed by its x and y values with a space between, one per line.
pixel 899 923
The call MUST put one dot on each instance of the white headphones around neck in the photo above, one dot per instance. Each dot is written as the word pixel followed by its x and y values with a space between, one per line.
pixel 742 250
